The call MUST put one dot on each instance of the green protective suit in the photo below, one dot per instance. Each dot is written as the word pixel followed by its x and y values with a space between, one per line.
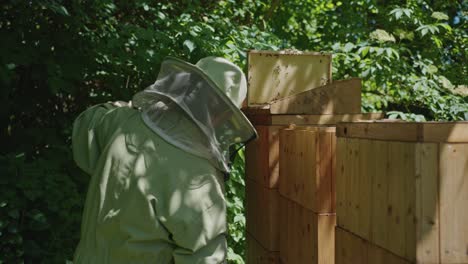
pixel 148 201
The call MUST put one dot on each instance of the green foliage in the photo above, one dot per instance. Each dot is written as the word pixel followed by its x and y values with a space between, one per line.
pixel 59 57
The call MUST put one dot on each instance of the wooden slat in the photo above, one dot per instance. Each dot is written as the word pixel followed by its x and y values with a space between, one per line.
pixel 338 97
pixel 454 203
pixel 262 157
pixel 256 156
pixel 333 174
pixel 325 238
pixel 382 131
pixel 285 234
pixel 352 182
pixel 306 237
pixel 263 214
pixel 322 119
pixel 324 178
pixel 257 254
pixel 401 161
pixel 364 173
pixel 262 116
pixel 379 202
pixel 454 132
pixel 446 132
pixel 273 75
pixel 426 242
pixel 306 167
pixel 351 249
pixel 340 183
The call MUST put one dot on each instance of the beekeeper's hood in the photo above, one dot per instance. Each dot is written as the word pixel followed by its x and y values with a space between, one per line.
pixel 209 94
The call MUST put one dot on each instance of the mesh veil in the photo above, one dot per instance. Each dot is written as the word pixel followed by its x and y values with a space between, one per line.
pixel 185 107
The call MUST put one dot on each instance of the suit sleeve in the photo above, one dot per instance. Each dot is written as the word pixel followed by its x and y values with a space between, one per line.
pixel 85 145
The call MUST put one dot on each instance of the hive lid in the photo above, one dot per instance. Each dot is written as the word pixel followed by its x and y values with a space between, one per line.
pixel 394 130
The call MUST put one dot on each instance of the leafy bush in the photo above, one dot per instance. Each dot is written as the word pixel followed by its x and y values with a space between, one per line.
pixel 59 57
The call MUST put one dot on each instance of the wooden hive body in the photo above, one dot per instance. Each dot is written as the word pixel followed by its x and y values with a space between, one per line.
pixel 403 187
pixel 263 173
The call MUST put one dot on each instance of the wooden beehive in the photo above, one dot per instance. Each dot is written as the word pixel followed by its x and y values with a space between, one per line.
pixel 403 187
pixel 289 87
pixel 262 170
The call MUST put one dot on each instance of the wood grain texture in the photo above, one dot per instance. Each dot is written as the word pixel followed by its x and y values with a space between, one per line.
pixel 257 254
pixel 274 75
pixel 352 249
pixel 407 198
pixel 262 157
pixel 454 203
pixel 263 214
pixel 306 237
pixel 306 167
pixel 262 116
pixel 338 97
pixel 453 132
pixel 426 222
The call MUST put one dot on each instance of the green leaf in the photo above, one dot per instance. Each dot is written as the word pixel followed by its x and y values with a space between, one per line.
pixel 364 51
pixel 189 45
pixel 439 16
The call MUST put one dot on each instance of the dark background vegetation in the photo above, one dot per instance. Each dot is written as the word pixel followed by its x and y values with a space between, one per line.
pixel 59 57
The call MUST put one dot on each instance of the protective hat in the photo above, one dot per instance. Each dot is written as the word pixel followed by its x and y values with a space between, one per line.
pixel 209 96
pixel 227 76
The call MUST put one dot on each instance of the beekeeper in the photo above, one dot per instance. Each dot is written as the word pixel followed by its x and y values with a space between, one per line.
pixel 157 166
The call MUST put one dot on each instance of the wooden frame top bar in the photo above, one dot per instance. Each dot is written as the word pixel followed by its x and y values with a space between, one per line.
pixel 262 116
pixel 390 130
pixel 290 52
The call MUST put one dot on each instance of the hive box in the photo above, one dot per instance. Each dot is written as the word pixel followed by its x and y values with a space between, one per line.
pixel 403 187
pixel 263 166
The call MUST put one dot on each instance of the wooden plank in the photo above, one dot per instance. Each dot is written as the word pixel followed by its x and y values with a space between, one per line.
pixel 333 174
pixel 352 249
pixel 379 203
pixel 401 160
pixel 338 97
pixel 256 156
pixel 307 237
pixel 324 178
pixel 262 157
pixel 286 158
pixel 306 167
pixel 454 132
pixel 256 254
pixel 407 131
pixel 322 119
pixel 285 229
pixel 453 203
pixel 341 195
pixel 325 239
pixel 426 242
pixel 364 173
pixel 352 183
pixel 378 255
pixel 273 75
pixel 263 214
pixel 381 131
pixel 273 157
pixel 262 116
